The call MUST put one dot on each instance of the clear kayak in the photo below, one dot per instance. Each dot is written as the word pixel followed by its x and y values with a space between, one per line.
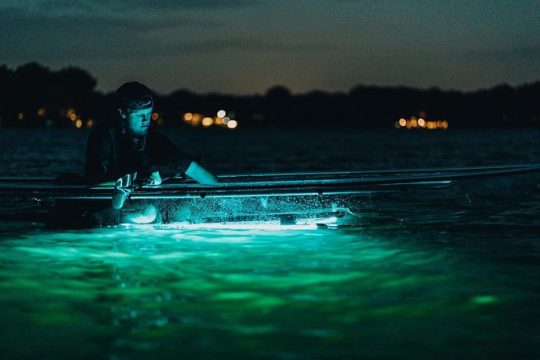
pixel 306 199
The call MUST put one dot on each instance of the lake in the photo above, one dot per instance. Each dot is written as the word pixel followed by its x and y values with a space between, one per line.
pixel 468 291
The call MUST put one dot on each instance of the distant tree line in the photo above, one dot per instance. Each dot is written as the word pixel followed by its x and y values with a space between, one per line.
pixel 34 96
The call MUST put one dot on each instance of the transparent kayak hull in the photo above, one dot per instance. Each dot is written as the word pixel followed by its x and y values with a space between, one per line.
pixel 324 199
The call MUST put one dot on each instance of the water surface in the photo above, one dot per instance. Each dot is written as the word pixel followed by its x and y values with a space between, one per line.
pixel 469 291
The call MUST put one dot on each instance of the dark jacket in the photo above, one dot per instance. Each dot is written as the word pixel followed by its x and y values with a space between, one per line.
pixel 111 155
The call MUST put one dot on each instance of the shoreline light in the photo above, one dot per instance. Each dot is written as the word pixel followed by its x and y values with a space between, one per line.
pixel 207 121
pixel 421 123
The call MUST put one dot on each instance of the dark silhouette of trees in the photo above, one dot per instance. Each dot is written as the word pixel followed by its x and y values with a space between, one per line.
pixel 33 96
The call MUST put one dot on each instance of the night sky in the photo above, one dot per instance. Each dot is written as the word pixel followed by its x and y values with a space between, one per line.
pixel 245 47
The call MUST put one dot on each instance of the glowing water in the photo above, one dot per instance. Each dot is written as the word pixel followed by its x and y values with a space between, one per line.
pixel 130 293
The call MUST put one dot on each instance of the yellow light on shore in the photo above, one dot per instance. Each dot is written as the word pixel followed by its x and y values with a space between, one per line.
pixel 79 124
pixel 90 123
pixel 41 112
pixel 71 114
pixel 188 116
pixel 218 121
pixel 196 119
pixel 221 113
pixel 207 121
pixel 414 123
pixel 232 124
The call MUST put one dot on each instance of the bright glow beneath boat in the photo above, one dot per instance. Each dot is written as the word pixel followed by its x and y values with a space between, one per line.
pixel 302 224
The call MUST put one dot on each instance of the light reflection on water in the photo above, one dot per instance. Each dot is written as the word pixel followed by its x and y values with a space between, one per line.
pixel 291 294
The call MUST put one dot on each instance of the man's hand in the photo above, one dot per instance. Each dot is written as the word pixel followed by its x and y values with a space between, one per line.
pixel 122 189
pixel 155 179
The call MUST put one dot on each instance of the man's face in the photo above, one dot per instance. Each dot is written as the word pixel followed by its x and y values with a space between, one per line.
pixel 139 121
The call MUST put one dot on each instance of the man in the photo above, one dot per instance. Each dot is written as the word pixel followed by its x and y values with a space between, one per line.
pixel 130 149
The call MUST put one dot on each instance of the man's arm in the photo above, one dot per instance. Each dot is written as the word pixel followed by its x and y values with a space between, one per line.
pixel 170 161
pixel 122 189
pixel 200 174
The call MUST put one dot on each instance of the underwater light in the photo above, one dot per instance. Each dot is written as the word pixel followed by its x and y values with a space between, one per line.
pixel 266 226
pixel 269 225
